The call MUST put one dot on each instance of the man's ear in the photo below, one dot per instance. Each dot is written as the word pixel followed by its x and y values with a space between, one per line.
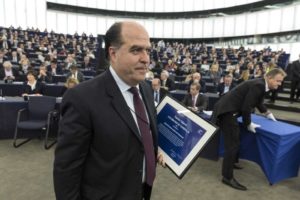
pixel 112 53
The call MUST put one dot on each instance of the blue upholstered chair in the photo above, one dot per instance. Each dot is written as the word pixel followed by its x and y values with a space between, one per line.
pixel 39 115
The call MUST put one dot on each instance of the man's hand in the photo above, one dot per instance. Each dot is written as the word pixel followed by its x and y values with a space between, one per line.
pixel 160 159
pixel 271 116
pixel 252 126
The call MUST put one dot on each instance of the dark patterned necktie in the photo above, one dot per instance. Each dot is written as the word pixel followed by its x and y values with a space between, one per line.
pixel 147 140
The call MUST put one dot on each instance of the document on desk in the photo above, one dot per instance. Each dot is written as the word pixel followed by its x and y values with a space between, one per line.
pixel 181 135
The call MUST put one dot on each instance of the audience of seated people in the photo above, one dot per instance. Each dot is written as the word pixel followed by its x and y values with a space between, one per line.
pixel 29 49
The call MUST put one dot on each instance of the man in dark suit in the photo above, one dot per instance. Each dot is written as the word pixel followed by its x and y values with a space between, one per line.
pixel 44 76
pixel 75 73
pixel 194 100
pixel 54 69
pixel 158 92
pixel 166 83
pixel 226 86
pixel 295 78
pixel 240 101
pixel 107 145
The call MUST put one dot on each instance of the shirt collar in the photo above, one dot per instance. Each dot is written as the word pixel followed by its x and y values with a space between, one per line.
pixel 267 87
pixel 121 84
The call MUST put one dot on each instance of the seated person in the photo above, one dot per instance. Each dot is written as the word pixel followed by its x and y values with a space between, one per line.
pixel 215 74
pixel 166 83
pixel 54 69
pixel 227 85
pixel 44 76
pixel 158 92
pixel 25 65
pixel 70 83
pixel 75 73
pixel 8 72
pixel 32 86
pixel 87 65
pixel 194 100
pixel 196 78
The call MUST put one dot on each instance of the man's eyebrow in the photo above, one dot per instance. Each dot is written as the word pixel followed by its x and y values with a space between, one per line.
pixel 139 47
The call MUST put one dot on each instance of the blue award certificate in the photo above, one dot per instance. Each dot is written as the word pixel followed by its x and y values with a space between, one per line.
pixel 181 135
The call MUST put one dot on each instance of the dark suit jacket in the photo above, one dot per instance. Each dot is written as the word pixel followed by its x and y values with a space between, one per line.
pixel 295 71
pixel 201 102
pixel 39 88
pixel 80 76
pixel 46 79
pixel 58 70
pixel 221 87
pixel 169 83
pixel 242 99
pixel 100 154
pixel 162 94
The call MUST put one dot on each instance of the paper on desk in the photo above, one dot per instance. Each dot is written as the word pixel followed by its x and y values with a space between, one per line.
pixel 208 112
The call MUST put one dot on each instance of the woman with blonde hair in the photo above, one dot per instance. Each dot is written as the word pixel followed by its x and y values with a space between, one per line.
pixel 70 83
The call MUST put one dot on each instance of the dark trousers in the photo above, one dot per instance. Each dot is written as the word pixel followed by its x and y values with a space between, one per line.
pixel 295 85
pixel 231 133
pixel 146 191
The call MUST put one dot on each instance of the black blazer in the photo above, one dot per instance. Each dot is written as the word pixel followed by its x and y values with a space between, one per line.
pixel 295 71
pixel 39 88
pixel 242 99
pixel 46 79
pixel 80 76
pixel 162 94
pixel 201 103
pixel 221 87
pixel 99 154
pixel 169 83
pixel 59 70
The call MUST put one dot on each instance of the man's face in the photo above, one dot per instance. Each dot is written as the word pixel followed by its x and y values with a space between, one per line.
pixel 227 81
pixel 7 67
pixel 53 65
pixel 193 90
pixel 155 85
pixel 42 69
pixel 30 77
pixel 274 82
pixel 196 77
pixel 131 60
pixel 163 76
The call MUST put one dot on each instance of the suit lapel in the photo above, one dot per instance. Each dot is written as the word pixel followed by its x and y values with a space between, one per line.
pixel 119 103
